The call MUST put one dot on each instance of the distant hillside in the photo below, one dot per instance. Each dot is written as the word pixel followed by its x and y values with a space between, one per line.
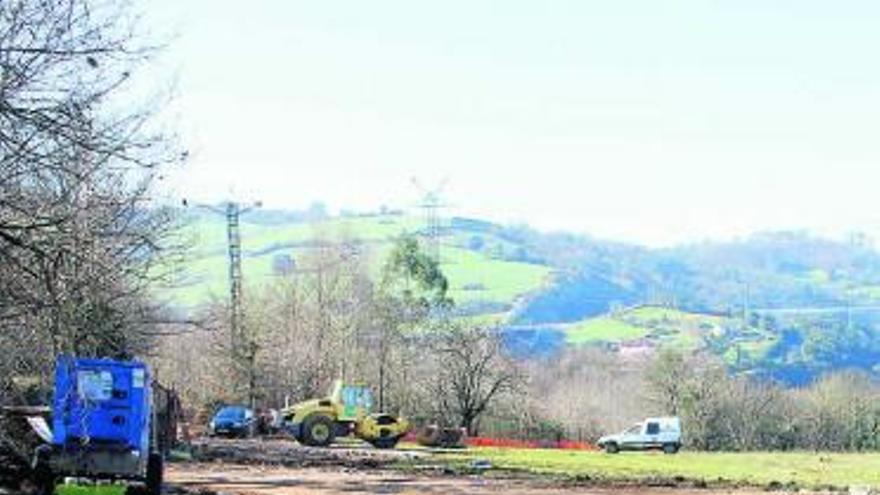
pixel 772 270
pixel 772 305
pixel 487 273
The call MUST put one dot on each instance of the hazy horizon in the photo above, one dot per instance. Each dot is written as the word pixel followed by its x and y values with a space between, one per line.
pixel 628 121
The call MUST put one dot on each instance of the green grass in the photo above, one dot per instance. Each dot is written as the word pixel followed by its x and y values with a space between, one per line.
pixel 499 280
pixel 754 350
pixel 867 291
pixel 665 327
pixel 804 469
pixel 604 329
pixel 669 315
pixel 819 276
pixel 90 490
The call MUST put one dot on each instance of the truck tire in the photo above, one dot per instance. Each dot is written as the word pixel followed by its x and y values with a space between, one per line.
pixel 44 479
pixel 611 448
pixel 46 484
pixel 155 467
pixel 670 448
pixel 318 431
pixel 385 442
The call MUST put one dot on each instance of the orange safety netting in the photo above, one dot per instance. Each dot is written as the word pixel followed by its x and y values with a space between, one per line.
pixel 527 444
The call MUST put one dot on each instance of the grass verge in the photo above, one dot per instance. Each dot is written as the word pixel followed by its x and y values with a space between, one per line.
pixel 760 469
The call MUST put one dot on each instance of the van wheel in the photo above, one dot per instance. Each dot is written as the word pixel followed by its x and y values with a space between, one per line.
pixel 612 448
pixel 670 448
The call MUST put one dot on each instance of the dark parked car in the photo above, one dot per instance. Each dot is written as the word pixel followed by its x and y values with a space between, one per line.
pixel 233 421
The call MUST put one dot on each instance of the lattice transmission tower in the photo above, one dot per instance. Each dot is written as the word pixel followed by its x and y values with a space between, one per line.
pixel 431 204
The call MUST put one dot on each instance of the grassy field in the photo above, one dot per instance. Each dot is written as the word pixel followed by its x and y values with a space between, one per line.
pixel 810 470
pixel 474 276
pixel 665 326
pixel 604 329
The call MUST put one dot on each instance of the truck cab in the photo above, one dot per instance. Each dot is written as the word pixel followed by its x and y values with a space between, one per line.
pixel 662 433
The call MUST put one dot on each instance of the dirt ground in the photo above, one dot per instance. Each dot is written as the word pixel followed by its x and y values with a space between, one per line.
pixel 290 454
pixel 277 480
pixel 282 467
pixel 221 478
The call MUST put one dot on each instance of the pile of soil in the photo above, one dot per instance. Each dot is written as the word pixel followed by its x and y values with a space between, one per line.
pixel 290 454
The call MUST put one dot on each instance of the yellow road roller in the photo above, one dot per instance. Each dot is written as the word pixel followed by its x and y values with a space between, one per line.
pixel 345 412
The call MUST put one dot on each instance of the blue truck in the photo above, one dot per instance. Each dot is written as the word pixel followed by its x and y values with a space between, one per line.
pixel 105 425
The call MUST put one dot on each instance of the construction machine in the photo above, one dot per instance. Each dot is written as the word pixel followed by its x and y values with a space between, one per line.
pixel 110 421
pixel 346 411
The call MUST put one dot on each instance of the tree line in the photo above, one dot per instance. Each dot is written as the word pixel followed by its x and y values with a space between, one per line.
pixel 332 318
pixel 398 332
pixel 721 411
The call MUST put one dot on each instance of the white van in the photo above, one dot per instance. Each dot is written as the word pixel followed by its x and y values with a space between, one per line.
pixel 653 433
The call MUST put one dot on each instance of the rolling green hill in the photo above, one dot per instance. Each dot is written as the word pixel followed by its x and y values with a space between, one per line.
pixel 481 278
pixel 774 304
pixel 652 325
pixel 658 327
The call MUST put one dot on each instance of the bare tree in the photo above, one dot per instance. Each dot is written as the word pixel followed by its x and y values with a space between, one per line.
pixel 471 371
pixel 588 391
pixel 81 242
pixel 667 379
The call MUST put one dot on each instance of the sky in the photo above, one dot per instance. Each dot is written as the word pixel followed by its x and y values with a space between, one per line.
pixel 649 121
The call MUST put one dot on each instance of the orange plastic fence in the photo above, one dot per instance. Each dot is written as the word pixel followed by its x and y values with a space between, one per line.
pixel 527 444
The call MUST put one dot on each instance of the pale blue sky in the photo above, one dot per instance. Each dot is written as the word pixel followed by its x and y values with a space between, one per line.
pixel 645 121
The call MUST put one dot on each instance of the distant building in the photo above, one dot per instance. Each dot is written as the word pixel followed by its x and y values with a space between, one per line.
pixel 283 264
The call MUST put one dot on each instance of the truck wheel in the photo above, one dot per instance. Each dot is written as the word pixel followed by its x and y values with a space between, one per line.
pixel 318 431
pixel 670 448
pixel 44 479
pixel 155 466
pixel 385 442
pixel 46 485
pixel 611 448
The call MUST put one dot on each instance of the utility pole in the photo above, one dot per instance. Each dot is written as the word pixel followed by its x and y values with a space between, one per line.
pixel 242 345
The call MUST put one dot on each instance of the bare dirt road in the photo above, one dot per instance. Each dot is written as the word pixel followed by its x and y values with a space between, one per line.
pixel 326 480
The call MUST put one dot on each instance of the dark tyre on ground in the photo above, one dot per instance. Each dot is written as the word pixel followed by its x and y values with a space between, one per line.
pixel 46 485
pixel 44 479
pixel 155 468
pixel 612 448
pixel 318 431
pixel 385 442
pixel 249 431
pixel 670 448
